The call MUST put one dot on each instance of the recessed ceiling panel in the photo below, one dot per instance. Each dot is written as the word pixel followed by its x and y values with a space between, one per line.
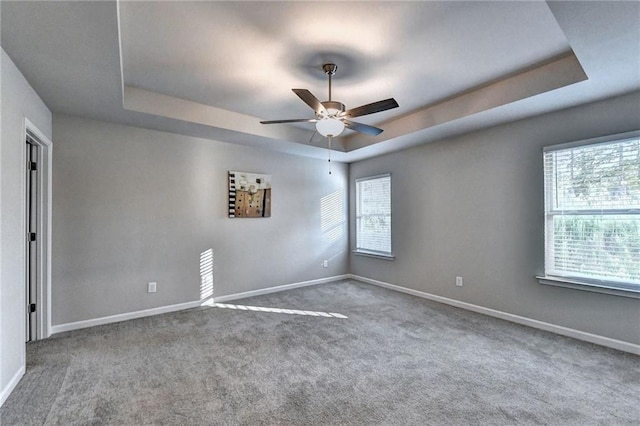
pixel 246 56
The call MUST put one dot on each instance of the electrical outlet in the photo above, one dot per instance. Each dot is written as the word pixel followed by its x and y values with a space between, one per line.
pixel 459 281
pixel 151 287
pixel 325 263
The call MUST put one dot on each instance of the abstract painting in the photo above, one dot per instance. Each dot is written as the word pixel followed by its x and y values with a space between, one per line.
pixel 249 195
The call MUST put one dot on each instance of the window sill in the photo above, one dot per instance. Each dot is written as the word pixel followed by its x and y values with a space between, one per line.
pixel 372 254
pixel 587 286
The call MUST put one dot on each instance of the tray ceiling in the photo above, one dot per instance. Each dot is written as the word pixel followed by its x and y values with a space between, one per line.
pixel 214 69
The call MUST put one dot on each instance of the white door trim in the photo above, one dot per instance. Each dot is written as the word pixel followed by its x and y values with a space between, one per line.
pixel 43 307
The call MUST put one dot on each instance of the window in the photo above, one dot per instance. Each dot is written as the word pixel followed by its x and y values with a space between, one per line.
pixel 592 213
pixel 373 216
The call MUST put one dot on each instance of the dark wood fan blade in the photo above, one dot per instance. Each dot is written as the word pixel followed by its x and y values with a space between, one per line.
pixel 363 128
pixel 294 120
pixel 371 108
pixel 310 100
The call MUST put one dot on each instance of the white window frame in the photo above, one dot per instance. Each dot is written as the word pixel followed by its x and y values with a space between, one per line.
pixel 365 251
pixel 575 281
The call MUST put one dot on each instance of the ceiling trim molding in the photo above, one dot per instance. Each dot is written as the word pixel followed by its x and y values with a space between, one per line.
pixel 550 75
pixel 149 102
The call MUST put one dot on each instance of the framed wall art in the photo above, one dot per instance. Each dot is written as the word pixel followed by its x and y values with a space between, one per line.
pixel 249 195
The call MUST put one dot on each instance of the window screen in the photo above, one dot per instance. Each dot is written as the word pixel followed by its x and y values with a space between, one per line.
pixel 373 215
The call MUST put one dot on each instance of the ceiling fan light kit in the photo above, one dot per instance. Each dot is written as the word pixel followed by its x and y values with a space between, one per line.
pixel 330 126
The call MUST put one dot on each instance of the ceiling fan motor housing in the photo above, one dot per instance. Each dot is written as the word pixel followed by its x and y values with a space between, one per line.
pixel 334 109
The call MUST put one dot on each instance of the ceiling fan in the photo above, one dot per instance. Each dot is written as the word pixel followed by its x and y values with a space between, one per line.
pixel 332 117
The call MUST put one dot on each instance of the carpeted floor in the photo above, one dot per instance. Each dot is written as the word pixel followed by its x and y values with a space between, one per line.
pixel 394 360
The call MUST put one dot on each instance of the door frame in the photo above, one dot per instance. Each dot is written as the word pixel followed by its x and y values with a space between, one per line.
pixel 44 183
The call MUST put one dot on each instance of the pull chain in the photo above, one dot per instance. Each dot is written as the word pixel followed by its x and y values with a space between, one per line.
pixel 329 154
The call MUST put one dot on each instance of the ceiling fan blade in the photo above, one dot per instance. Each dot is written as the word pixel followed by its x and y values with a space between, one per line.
pixel 294 120
pixel 371 108
pixel 311 100
pixel 363 128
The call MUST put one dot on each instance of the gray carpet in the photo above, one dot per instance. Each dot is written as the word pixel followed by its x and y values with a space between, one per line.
pixel 395 360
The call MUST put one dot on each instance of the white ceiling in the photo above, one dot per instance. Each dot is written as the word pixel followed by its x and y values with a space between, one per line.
pixel 214 69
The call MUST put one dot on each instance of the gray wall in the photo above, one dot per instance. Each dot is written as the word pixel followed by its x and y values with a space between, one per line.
pixel 472 206
pixel 19 101
pixel 133 205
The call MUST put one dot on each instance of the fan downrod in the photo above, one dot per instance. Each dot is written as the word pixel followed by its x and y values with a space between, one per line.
pixel 330 70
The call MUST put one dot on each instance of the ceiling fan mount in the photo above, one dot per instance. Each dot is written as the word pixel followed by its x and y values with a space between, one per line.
pixel 332 117
pixel 330 69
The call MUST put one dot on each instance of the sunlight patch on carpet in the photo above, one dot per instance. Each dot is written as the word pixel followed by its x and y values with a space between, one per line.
pixel 276 310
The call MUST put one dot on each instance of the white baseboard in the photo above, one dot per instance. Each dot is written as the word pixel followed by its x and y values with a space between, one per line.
pixel 123 317
pixel 188 305
pixel 11 385
pixel 279 288
pixel 564 331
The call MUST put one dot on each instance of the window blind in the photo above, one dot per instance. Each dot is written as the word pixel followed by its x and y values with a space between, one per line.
pixel 592 212
pixel 373 214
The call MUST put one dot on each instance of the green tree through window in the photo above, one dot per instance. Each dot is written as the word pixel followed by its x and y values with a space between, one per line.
pixel 592 203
